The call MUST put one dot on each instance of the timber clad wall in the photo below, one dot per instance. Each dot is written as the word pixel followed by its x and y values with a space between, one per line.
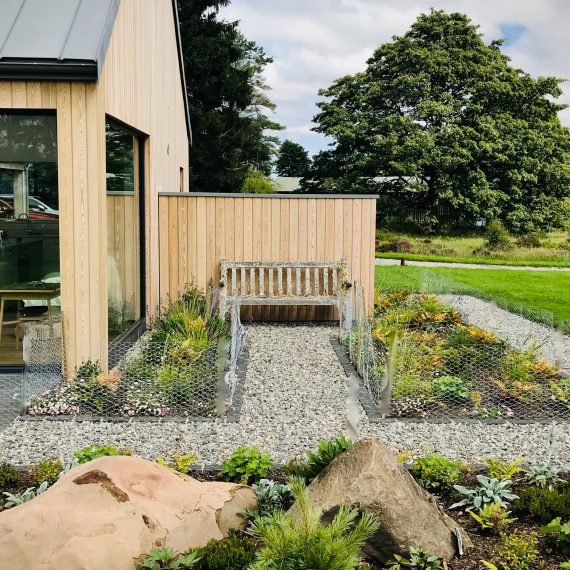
pixel 197 230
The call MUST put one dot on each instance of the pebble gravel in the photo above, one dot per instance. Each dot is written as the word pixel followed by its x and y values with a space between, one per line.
pixel 295 394
pixel 519 332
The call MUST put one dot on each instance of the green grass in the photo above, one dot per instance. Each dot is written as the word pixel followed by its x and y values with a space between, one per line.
pixel 554 250
pixel 543 296
pixel 480 260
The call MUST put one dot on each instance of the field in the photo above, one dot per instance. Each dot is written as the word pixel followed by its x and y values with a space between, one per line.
pixel 541 295
pixel 554 249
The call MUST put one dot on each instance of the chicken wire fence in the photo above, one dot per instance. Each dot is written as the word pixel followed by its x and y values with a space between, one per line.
pixel 195 378
pixel 464 372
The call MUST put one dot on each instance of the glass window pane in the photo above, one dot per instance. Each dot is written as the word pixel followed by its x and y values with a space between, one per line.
pixel 123 230
pixel 29 227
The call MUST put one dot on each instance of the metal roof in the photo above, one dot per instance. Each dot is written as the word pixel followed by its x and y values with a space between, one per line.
pixel 63 40
pixel 55 39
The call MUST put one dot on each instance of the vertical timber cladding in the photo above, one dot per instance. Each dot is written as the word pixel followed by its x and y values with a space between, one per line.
pixel 197 230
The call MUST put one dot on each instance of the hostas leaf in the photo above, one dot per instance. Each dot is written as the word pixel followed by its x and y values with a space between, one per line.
pixel 488 491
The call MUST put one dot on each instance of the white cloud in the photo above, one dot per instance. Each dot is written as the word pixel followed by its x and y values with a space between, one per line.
pixel 315 41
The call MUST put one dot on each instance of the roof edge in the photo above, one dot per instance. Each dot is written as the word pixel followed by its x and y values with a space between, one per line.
pixel 48 70
pixel 106 35
pixel 181 67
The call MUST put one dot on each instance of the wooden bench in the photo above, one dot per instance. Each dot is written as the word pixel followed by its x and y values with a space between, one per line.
pixel 283 283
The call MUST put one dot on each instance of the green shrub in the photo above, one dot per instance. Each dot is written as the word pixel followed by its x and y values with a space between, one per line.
pixel 517 551
pixel 451 388
pixel 493 518
pixel 327 451
pixel 498 237
pixel 488 491
pixel 301 540
pixel 47 470
pixel 179 462
pixel 436 473
pixel 10 477
pixel 246 465
pixel 95 451
pixel 256 182
pixel 528 241
pixel 416 559
pixel 88 369
pixel 235 552
pixel 545 504
pixel 562 533
pixel 167 559
pixel 499 469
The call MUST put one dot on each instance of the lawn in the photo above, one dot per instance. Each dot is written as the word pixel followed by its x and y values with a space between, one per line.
pixel 541 295
pixel 554 250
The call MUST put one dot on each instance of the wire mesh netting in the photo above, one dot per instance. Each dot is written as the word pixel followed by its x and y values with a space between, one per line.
pixel 183 369
pixel 418 359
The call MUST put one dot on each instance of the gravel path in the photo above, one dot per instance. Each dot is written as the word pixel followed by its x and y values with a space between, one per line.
pixel 383 261
pixel 518 331
pixel 296 394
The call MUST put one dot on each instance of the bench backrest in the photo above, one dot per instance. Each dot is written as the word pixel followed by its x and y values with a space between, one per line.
pixel 316 281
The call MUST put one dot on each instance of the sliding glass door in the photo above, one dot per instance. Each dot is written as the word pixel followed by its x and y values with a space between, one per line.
pixel 29 226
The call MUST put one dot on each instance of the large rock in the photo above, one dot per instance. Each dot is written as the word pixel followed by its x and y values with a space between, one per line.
pixel 371 479
pixel 106 513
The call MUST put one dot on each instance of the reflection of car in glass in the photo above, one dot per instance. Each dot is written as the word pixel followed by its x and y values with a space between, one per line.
pixel 36 208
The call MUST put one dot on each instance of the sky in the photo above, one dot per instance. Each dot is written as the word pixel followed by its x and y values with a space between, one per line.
pixel 313 42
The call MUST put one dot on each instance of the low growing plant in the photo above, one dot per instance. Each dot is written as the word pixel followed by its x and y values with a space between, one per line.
pixel 246 465
pixel 562 533
pixel 167 559
pixel 178 462
pixel 545 504
pixel 47 470
pixel 300 540
pixel 488 491
pixel 436 473
pixel 416 559
pixel 95 451
pixel 493 517
pixel 544 476
pixel 271 496
pixel 451 388
pixel 499 469
pixel 10 477
pixel 517 551
pixel 325 454
pixel 13 500
pixel 235 552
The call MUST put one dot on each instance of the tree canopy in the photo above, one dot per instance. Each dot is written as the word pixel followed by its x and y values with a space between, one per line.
pixel 229 106
pixel 292 160
pixel 441 118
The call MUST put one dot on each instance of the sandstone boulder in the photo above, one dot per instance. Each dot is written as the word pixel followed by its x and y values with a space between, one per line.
pixel 107 513
pixel 370 478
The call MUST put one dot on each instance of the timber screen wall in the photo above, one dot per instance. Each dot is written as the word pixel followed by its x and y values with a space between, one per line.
pixel 197 230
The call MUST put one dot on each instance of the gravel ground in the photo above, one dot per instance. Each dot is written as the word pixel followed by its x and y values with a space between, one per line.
pixel 518 331
pixel 383 261
pixel 296 393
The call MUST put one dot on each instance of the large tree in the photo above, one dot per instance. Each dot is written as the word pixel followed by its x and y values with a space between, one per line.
pixel 293 159
pixel 229 107
pixel 439 117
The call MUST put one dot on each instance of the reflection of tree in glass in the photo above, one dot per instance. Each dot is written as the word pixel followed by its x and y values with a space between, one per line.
pixel 28 138
pixel 120 160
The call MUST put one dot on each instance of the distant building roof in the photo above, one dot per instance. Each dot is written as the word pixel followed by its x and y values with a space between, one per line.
pixel 62 40
pixel 287 184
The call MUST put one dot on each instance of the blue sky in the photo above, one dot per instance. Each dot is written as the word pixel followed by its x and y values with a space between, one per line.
pixel 315 41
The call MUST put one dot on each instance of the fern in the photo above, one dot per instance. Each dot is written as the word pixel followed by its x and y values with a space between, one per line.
pixel 299 539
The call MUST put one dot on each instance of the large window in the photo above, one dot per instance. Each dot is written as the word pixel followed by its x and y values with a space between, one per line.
pixel 29 226
pixel 124 194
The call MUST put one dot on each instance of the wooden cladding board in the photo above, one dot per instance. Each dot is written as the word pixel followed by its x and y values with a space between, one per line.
pixel 197 231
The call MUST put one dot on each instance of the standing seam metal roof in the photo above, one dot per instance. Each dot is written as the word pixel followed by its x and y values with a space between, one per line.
pixel 62 40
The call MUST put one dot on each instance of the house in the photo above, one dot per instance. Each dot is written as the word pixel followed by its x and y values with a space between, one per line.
pixel 287 184
pixel 93 126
